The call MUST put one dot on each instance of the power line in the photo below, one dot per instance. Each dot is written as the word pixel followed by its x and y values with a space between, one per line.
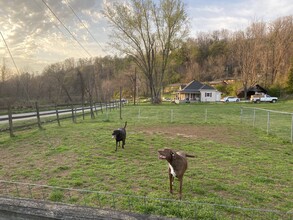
pixel 10 54
pixel 67 3
pixel 66 28
pixel 55 25
pixel 26 92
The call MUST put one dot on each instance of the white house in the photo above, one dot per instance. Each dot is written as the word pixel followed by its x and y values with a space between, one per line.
pixel 196 91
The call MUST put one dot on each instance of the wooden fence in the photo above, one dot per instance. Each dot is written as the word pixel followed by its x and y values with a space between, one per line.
pixel 35 115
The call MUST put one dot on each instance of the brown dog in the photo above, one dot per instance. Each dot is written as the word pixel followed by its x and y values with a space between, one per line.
pixel 177 165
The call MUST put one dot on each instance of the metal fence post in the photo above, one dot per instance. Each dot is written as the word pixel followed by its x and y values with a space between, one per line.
pixel 253 117
pixel 268 123
pixel 292 129
pixel 241 113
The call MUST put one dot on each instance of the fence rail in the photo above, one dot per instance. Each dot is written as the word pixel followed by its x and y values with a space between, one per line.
pixel 138 204
pixel 40 115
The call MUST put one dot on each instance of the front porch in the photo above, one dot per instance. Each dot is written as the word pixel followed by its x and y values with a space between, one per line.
pixel 192 96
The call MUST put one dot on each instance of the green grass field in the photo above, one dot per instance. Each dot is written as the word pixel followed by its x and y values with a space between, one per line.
pixel 236 164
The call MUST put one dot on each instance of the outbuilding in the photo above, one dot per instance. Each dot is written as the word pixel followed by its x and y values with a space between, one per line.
pixel 254 89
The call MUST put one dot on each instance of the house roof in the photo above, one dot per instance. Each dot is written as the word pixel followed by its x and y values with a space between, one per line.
pixel 195 86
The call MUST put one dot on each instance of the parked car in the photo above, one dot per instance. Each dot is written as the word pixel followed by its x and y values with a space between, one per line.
pixel 230 99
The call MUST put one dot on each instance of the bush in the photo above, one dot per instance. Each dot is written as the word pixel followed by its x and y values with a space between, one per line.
pixel 275 90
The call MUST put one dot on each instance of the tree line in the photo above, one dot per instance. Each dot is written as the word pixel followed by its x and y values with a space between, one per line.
pixel 260 54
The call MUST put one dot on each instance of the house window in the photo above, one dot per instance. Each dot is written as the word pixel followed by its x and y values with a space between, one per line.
pixel 208 94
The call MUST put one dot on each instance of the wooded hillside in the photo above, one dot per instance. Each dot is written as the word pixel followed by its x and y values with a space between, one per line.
pixel 262 54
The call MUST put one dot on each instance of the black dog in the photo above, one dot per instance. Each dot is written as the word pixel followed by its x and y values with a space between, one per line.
pixel 120 135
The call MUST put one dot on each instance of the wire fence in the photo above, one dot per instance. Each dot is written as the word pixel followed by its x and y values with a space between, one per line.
pixel 136 204
pixel 192 114
pixel 272 122
pixel 277 123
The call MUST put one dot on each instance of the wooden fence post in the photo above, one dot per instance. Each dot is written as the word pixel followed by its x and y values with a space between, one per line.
pixel 57 115
pixel 38 116
pixel 101 104
pixel 10 121
pixel 92 111
pixel 82 106
pixel 72 112
pixel 95 106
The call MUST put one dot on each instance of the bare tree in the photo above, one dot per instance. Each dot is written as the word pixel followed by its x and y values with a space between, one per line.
pixel 280 39
pixel 58 73
pixel 148 32
pixel 248 46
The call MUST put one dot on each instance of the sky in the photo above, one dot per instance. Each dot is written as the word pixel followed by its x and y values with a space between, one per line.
pixel 41 32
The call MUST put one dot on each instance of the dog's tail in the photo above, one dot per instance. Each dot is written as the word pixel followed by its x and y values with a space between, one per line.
pixel 188 155
pixel 125 124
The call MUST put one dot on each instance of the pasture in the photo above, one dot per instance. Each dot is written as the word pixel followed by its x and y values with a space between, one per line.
pixel 235 165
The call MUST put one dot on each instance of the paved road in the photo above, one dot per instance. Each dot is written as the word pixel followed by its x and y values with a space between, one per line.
pixel 33 115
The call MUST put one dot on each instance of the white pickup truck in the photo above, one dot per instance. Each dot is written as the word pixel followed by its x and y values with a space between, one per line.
pixel 257 98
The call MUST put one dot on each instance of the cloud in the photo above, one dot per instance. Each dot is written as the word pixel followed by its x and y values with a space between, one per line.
pixel 33 32
pixel 36 37
pixel 234 15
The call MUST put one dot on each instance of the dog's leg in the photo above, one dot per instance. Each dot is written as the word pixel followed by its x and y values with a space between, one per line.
pixel 180 188
pixel 116 145
pixel 171 178
pixel 123 143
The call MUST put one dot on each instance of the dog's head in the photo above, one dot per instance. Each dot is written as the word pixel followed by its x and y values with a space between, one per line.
pixel 167 154
pixel 115 133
